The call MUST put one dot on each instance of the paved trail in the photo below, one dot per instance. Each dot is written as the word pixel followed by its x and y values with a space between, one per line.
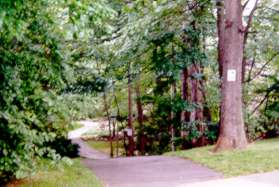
pixel 87 126
pixel 86 152
pixel 149 171
pixel 160 171
pixel 270 179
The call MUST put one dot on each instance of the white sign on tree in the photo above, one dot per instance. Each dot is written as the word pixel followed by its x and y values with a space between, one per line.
pixel 231 75
pixel 129 131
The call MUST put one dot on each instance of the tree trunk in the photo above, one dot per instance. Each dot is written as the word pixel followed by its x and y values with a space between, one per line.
pixel 199 100
pixel 131 144
pixel 232 132
pixel 193 91
pixel 140 119
pixel 221 34
pixel 173 95
pixel 185 115
pixel 106 109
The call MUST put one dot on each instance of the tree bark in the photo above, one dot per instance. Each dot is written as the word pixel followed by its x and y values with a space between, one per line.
pixel 221 34
pixel 193 91
pixel 106 109
pixel 232 131
pixel 199 100
pixel 173 95
pixel 131 144
pixel 185 115
pixel 140 119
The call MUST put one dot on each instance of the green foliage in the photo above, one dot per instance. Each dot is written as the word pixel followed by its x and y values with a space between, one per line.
pixel 64 147
pixel 59 58
pixel 270 122
pixel 31 74
pixel 36 54
pixel 155 41
pixel 261 88
pixel 80 106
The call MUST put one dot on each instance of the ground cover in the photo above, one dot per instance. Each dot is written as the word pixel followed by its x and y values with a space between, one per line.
pixel 260 156
pixel 52 175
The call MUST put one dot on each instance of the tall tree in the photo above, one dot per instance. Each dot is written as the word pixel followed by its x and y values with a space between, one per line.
pixel 230 52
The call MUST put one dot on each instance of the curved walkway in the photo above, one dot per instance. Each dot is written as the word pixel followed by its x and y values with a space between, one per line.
pixel 159 171
pixel 84 150
pixel 87 126
pixel 87 152
pixel 147 171
pixel 269 179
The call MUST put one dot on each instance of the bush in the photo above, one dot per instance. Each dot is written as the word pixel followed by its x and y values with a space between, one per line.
pixel 64 147
pixel 31 74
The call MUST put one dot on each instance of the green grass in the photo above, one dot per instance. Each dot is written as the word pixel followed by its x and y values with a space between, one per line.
pixel 63 175
pixel 104 146
pixel 261 156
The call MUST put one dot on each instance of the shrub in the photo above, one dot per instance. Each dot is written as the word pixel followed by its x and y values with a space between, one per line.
pixel 31 74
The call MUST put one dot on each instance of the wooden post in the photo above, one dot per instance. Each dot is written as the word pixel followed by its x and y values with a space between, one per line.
pixel 117 140
pixel 110 139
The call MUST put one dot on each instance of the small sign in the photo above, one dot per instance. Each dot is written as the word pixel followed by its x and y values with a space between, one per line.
pixel 231 75
pixel 129 131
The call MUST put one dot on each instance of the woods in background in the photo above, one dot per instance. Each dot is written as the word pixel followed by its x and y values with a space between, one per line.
pixel 179 74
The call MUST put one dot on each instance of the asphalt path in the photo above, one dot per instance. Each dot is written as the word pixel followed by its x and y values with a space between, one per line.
pixel 159 171
pixel 147 171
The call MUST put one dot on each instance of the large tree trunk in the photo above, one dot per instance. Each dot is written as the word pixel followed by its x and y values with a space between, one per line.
pixel 185 115
pixel 199 100
pixel 232 132
pixel 193 91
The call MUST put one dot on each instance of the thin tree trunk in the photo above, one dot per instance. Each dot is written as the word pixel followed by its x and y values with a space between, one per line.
pixel 185 115
pixel 184 77
pixel 245 37
pixel 131 143
pixel 221 34
pixel 173 95
pixel 109 121
pixel 232 132
pixel 140 119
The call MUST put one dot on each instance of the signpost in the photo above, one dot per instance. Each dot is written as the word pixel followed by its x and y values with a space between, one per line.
pixel 114 124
